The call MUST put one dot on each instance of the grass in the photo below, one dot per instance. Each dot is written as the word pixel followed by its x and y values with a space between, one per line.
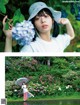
pixel 62 97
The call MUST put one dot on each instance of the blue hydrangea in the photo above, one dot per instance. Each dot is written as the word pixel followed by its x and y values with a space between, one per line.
pixel 23 32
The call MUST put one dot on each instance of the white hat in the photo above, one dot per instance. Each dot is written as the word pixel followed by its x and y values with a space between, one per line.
pixel 38 6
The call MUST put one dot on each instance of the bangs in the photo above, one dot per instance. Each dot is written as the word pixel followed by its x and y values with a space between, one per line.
pixel 45 11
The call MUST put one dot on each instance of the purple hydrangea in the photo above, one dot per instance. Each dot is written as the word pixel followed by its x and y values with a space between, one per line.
pixel 23 32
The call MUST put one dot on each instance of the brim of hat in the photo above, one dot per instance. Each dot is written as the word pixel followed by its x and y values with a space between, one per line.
pixel 56 14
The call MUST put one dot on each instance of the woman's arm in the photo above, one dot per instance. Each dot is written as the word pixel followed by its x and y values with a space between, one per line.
pixel 69 27
pixel 8 45
pixel 8 34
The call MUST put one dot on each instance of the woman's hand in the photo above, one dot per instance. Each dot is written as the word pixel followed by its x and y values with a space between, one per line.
pixel 64 21
pixel 69 27
pixel 8 32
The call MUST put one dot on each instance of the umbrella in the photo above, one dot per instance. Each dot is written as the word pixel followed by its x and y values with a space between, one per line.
pixel 21 80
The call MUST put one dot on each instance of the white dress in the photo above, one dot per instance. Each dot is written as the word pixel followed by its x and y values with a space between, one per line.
pixel 25 90
pixel 57 44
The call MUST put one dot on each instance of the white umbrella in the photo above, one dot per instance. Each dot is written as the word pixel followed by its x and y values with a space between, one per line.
pixel 21 80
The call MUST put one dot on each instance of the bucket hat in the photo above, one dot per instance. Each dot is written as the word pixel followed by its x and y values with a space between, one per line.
pixel 38 6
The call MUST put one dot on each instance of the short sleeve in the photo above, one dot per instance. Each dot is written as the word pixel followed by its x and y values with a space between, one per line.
pixel 64 40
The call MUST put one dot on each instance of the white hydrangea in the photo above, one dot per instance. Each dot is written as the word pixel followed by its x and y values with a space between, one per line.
pixel 59 88
pixel 15 90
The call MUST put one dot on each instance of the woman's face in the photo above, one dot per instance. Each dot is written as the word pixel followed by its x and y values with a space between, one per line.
pixel 43 23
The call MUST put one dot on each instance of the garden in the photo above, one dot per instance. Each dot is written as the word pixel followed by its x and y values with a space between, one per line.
pixel 49 77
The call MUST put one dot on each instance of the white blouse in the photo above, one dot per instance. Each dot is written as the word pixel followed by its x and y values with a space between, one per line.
pixel 57 44
pixel 24 88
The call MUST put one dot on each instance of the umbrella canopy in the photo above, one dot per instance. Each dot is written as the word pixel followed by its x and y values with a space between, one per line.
pixel 20 81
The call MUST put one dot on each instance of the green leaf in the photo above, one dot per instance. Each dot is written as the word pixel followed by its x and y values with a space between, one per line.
pixel 6 26
pixel 4 1
pixel 2 8
pixel 18 17
pixel 29 2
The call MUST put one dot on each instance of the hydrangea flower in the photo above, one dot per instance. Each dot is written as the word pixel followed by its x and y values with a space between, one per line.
pixel 23 32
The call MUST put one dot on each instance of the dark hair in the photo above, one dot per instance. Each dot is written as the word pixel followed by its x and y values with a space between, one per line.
pixel 55 26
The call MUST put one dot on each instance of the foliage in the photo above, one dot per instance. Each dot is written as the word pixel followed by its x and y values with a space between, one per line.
pixel 8 90
pixel 58 78
pixel 2 5
pixel 18 17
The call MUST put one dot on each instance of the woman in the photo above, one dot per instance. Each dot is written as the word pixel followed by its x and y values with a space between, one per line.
pixel 26 93
pixel 44 19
